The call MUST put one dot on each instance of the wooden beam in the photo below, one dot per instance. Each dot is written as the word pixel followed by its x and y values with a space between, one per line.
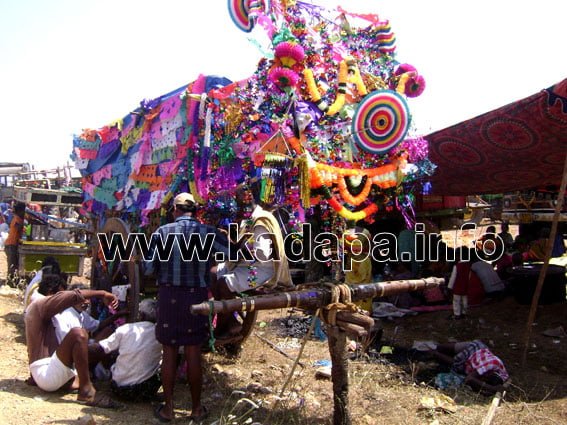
pixel 543 272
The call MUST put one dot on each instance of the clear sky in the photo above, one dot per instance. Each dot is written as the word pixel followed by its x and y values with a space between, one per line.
pixel 66 65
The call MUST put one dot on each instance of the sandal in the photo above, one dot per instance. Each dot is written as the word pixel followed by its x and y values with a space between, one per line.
pixel 198 419
pixel 158 415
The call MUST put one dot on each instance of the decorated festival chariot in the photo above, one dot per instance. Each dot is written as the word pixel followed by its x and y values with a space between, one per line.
pixel 323 126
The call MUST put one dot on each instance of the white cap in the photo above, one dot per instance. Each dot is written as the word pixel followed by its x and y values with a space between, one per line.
pixel 184 199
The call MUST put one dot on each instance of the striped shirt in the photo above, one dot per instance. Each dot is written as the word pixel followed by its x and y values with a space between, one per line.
pixel 191 257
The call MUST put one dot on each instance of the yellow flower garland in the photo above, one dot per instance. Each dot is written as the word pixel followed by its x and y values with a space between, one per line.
pixel 348 72
pixel 313 90
pixel 340 100
pixel 401 87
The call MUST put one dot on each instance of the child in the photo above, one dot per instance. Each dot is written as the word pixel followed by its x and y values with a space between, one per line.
pixel 459 283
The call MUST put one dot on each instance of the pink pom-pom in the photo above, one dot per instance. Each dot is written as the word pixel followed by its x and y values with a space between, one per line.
pixel 283 77
pixel 414 86
pixel 403 68
pixel 289 53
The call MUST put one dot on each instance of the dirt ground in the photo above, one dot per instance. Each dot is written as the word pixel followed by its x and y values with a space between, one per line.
pixel 383 390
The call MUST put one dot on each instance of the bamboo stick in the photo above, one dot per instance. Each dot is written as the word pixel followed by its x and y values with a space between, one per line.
pixel 543 272
pixel 492 410
pixel 278 349
pixel 313 298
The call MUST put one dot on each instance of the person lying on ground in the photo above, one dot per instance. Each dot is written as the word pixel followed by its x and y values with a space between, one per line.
pixel 53 365
pixel 484 371
pixel 135 374
pixel 77 316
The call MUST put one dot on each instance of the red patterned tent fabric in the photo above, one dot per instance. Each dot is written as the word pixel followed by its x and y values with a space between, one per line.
pixel 517 146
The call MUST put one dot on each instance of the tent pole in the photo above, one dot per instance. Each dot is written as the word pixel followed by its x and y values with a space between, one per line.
pixel 543 272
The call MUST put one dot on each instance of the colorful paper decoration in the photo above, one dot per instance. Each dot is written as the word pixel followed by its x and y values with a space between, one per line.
pixel 381 121
pixel 212 134
pixel 244 12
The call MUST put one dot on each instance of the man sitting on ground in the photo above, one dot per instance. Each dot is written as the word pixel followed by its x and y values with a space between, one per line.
pixel 135 374
pixel 49 265
pixel 269 267
pixel 78 317
pixel 484 371
pixel 53 365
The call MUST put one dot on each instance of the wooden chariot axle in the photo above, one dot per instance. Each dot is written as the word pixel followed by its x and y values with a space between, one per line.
pixel 314 297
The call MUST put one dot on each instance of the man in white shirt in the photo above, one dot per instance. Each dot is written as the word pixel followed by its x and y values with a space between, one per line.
pixel 78 317
pixel 73 317
pixel 135 373
pixel 268 267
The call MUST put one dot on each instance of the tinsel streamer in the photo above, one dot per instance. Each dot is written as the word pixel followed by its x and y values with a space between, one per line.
pixel 281 184
pixel 193 115
pixel 224 152
pixel 191 178
pixel 168 196
pixel 407 211
pixel 417 149
pixel 356 78
pixel 185 124
pixel 204 154
pixel 304 181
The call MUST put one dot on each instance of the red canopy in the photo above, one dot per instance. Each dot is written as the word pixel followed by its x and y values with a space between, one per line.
pixel 517 146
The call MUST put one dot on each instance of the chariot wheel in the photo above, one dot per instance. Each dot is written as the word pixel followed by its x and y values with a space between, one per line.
pixel 106 274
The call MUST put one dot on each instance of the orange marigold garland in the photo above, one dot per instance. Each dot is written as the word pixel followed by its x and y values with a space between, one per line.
pixel 317 183
pixel 349 198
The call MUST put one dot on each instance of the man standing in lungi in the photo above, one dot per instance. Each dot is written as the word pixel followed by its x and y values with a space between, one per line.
pixel 183 280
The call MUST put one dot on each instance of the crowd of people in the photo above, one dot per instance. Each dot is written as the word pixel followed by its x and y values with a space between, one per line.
pixel 66 346
pixel 482 270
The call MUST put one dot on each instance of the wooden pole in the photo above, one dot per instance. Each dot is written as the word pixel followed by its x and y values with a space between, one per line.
pixel 543 272
pixel 492 410
pixel 339 375
pixel 313 298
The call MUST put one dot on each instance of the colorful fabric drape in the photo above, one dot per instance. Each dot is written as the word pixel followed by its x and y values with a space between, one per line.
pixel 518 146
